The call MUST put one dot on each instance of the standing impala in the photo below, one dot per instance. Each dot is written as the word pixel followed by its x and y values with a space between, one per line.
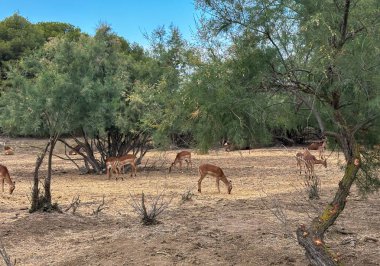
pixel 181 156
pixel 318 146
pixel 4 176
pixel 117 163
pixel 209 169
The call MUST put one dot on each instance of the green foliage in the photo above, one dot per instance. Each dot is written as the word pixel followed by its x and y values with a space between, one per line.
pixel 17 36
pixel 76 85
pixel 56 29
pixel 368 180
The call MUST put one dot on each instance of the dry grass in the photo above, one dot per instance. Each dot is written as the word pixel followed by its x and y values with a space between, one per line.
pixel 210 229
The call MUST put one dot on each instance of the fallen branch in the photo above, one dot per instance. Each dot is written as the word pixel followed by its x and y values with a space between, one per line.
pixel 5 256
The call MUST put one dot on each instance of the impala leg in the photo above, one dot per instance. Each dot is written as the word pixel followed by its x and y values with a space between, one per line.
pixel 299 164
pixel 133 169
pixel 109 171
pixel 2 184
pixel 122 178
pixel 200 182
pixel 217 184
pixel 117 172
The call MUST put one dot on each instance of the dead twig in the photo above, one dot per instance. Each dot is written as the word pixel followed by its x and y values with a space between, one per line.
pixel 74 205
pixel 5 255
pixel 100 208
pixel 278 211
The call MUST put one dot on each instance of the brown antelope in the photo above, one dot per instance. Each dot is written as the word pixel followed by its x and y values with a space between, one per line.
pixel 75 150
pixel 318 146
pixel 182 156
pixel 117 163
pixel 310 161
pixel 209 169
pixel 8 150
pixel 300 159
pixel 5 177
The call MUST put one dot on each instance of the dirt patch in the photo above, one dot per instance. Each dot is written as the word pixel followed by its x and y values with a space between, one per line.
pixel 210 229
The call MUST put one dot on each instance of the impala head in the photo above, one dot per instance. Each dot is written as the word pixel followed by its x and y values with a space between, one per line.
pixel 229 186
pixel 12 187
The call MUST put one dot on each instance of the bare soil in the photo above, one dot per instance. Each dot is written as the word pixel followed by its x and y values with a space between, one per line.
pixel 255 225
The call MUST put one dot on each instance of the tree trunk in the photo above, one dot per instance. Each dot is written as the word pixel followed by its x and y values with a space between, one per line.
pixel 35 191
pixel 47 183
pixel 312 238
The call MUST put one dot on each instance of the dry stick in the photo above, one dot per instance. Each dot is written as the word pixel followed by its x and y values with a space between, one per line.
pixel 5 256
pixel 74 204
pixel 100 208
pixel 60 157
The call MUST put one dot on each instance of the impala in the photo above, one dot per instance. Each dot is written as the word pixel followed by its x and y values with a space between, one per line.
pixel 209 169
pixel 310 161
pixel 300 158
pixel 8 150
pixel 182 156
pixel 318 146
pixel 75 150
pixel 5 177
pixel 117 163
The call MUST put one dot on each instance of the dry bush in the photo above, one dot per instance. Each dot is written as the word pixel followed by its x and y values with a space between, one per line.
pixel 156 207
pixel 313 185
pixel 74 205
pixel 187 196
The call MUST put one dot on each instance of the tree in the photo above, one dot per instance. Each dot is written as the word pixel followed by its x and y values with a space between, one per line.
pixel 327 59
pixel 31 109
pixel 56 29
pixel 163 91
pixel 94 89
pixel 62 88
pixel 19 37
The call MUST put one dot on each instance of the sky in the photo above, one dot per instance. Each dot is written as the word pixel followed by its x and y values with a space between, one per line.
pixel 128 18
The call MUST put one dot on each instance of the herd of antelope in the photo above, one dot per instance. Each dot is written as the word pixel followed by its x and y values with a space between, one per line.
pixel 116 164
pixel 308 160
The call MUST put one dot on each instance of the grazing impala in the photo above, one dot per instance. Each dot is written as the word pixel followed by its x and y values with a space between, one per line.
pixel 209 169
pixel 318 146
pixel 310 161
pixel 4 176
pixel 75 150
pixel 300 159
pixel 182 156
pixel 8 150
pixel 117 163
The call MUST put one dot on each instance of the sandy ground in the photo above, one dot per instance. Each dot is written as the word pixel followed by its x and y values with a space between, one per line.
pixel 254 225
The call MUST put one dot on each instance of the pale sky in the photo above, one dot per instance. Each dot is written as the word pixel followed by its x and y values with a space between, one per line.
pixel 128 18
